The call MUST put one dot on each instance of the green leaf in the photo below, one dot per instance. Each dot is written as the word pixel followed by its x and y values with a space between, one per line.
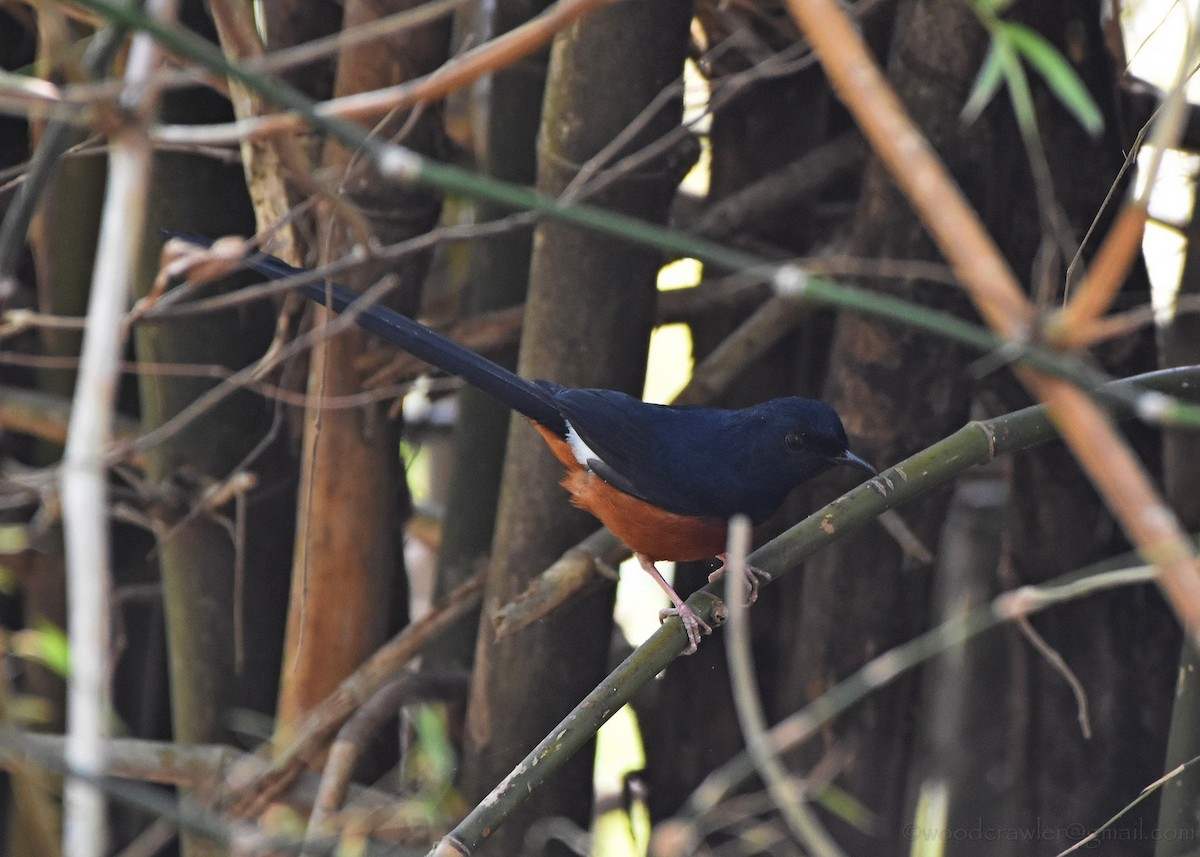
pixel 45 643
pixel 928 829
pixel 847 807
pixel 434 742
pixel 1059 75
pixel 990 76
pixel 14 538
pixel 1018 84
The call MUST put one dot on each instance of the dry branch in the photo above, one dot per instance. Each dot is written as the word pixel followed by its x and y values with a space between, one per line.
pixel 252 790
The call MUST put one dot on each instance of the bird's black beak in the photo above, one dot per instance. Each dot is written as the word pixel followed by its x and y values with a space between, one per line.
pixel 853 460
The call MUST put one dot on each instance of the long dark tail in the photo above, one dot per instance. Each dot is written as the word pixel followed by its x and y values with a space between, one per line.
pixel 524 397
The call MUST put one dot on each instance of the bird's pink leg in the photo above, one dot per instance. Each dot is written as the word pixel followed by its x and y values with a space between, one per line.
pixel 692 623
pixel 753 576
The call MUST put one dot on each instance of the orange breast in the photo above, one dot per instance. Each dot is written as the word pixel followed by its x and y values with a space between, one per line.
pixel 648 530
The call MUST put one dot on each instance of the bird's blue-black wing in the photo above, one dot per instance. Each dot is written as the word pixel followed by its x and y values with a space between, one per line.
pixel 645 450
pixel 708 462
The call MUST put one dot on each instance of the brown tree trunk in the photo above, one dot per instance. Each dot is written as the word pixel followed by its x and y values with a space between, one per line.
pixel 348 587
pixel 223 631
pixel 498 278
pixel 197 553
pixel 897 391
pixel 590 309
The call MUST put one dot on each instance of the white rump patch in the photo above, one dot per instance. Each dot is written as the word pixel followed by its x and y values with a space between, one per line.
pixel 583 453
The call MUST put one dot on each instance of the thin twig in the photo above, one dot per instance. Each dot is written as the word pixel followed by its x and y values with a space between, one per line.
pixel 1060 666
pixel 285 58
pixel 491 56
pixel 1145 793
pixel 54 142
pixel 16 321
pixel 128 431
pixel 187 766
pixel 47 416
pixel 763 199
pixel 157 836
pixel 790 800
pixel 1106 274
pixel 45 751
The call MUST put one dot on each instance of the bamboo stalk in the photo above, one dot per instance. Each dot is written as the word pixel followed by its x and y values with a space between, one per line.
pixel 84 474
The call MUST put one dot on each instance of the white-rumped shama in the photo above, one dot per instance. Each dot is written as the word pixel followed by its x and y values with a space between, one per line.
pixel 664 479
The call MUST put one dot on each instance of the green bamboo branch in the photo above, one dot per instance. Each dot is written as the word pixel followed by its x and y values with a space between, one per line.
pixel 975 443
pixel 787 278
pixel 576 729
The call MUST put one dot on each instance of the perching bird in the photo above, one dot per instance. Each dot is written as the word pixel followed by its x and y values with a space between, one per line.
pixel 664 479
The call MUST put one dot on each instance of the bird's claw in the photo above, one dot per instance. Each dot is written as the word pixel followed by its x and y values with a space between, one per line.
pixel 754 575
pixel 693 625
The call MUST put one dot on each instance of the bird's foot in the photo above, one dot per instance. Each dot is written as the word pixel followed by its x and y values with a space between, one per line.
pixel 692 624
pixel 755 576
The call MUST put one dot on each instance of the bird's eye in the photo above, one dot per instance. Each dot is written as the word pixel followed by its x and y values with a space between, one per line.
pixel 794 441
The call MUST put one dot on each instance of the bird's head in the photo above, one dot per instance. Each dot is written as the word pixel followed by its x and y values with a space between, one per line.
pixel 814 437
pixel 797 440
